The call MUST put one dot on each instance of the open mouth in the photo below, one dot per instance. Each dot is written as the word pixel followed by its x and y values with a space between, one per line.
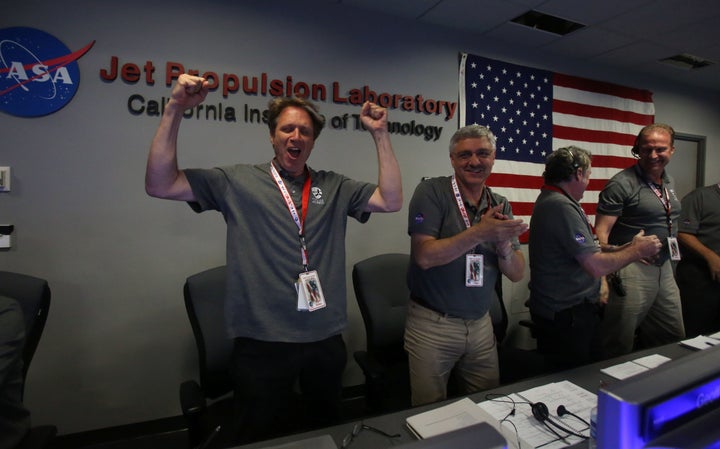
pixel 294 152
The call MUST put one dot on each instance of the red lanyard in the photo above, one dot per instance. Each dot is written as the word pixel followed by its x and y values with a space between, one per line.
pixel 664 201
pixel 299 221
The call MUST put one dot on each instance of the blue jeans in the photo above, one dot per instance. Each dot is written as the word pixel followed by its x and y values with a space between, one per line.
pixel 436 344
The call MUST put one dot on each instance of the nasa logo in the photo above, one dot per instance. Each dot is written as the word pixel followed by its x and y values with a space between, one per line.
pixel 38 73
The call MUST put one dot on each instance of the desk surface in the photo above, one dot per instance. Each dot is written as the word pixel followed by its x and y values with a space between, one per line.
pixel 588 377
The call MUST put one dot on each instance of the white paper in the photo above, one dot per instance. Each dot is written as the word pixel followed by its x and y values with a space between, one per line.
pixel 523 431
pixel 700 342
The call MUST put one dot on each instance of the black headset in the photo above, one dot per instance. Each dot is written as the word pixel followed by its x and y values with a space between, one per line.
pixel 562 411
pixel 541 413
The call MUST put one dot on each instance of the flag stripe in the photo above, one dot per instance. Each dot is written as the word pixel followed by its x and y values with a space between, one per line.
pixel 600 87
pixel 592 135
pixel 601 112
pixel 532 112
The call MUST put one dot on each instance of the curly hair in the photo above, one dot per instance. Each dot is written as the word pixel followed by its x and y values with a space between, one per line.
pixel 562 163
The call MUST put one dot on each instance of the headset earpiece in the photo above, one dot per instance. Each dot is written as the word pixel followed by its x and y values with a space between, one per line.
pixel 540 411
pixel 561 410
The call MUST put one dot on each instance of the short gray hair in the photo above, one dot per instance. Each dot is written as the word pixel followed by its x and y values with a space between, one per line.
pixel 472 132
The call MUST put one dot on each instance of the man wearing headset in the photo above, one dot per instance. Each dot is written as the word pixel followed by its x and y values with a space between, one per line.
pixel 566 263
pixel 646 299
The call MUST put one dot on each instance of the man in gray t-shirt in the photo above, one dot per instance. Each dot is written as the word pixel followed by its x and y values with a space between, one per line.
pixel 698 273
pixel 566 263
pixel 285 239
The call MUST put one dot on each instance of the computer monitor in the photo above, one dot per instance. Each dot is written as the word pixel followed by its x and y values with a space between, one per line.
pixel 676 405
pixel 476 436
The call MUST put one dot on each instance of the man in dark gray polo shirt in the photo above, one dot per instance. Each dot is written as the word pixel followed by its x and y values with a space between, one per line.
pixel 698 273
pixel 285 300
pixel 463 237
pixel 566 262
pixel 642 197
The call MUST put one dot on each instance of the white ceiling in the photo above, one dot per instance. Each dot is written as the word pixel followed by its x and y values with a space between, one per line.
pixel 626 34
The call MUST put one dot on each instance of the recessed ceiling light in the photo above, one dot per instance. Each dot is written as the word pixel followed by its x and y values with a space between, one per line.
pixel 546 22
pixel 687 61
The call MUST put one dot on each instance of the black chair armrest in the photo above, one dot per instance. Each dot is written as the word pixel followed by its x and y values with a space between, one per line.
pixel 192 399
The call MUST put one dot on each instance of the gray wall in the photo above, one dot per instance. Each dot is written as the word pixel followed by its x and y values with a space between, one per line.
pixel 118 343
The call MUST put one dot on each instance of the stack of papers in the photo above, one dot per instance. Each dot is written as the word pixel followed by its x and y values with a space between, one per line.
pixel 523 431
pixel 702 341
pixel 512 416
pixel 629 369
pixel 456 415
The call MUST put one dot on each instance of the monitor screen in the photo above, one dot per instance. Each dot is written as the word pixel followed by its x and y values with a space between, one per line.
pixel 634 412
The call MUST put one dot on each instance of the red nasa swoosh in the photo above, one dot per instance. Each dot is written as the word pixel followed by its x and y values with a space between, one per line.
pixel 52 64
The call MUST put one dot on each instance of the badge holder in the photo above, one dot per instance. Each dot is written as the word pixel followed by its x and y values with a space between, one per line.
pixel 310 294
pixel 674 248
pixel 474 270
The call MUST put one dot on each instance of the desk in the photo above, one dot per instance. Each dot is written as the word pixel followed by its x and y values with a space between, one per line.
pixel 588 377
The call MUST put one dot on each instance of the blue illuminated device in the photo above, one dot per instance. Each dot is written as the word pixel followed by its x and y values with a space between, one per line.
pixel 674 406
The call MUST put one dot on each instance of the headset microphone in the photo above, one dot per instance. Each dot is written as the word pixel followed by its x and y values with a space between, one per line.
pixel 541 413
pixel 562 411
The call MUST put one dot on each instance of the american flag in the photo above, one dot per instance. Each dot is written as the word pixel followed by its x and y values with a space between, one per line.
pixel 533 112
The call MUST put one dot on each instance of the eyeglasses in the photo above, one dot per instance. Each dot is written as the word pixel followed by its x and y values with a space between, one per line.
pixel 359 428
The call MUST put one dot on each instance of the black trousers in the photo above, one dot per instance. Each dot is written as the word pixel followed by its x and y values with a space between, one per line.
pixel 570 339
pixel 267 377
pixel 700 297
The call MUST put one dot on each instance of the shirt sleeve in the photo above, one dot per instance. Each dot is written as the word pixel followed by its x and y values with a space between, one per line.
pixel 690 213
pixel 612 198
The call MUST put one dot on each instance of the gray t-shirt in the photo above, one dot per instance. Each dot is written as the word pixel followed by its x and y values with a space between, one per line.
pixel 263 247
pixel 628 196
pixel 559 232
pixel 700 217
pixel 433 211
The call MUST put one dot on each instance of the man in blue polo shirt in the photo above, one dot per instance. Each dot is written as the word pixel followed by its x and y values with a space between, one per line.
pixel 285 301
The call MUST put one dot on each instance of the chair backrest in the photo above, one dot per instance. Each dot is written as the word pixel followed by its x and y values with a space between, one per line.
pixel 380 284
pixel 33 295
pixel 204 300
pixel 498 313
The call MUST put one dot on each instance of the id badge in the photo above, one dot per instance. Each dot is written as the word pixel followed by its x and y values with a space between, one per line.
pixel 674 248
pixel 473 270
pixel 309 284
pixel 302 304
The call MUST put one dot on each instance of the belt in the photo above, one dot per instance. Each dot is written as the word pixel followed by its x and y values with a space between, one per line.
pixel 421 302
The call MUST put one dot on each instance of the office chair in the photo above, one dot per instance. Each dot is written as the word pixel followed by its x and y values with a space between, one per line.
pixel 381 290
pixel 204 295
pixel 380 285
pixel 33 295
pixel 515 363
